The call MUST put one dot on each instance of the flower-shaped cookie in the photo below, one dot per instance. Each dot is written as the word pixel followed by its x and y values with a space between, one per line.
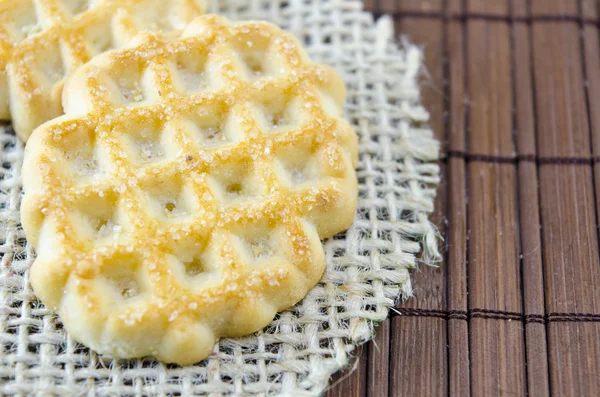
pixel 43 41
pixel 183 195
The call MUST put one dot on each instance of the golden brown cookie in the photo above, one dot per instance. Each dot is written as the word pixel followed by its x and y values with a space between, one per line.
pixel 43 41
pixel 183 195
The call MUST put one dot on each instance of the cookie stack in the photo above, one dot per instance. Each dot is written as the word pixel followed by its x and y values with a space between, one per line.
pixel 180 170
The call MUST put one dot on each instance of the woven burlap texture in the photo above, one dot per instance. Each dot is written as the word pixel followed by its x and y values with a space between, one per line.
pixel 367 267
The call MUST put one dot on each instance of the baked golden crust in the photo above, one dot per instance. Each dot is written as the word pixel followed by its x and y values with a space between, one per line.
pixel 183 195
pixel 43 41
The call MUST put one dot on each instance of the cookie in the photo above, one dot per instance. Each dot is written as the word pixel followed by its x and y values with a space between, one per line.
pixel 183 195
pixel 43 41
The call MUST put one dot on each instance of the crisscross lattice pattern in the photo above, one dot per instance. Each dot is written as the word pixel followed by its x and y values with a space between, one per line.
pixel 366 267
pixel 182 196
pixel 43 41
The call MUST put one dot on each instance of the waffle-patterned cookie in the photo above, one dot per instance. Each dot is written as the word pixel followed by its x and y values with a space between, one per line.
pixel 183 195
pixel 43 41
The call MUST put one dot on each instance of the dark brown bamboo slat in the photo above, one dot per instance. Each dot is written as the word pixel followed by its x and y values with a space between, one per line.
pixel 388 6
pixel 570 249
pixel 591 54
pixel 415 360
pixel 370 4
pixel 352 382
pixel 555 7
pixel 531 252
pixel 493 249
pixel 458 332
pixel 589 10
pixel 591 45
pixel 419 355
pixel 378 373
pixel 436 6
pixel 418 368
pixel 482 7
pixel 519 9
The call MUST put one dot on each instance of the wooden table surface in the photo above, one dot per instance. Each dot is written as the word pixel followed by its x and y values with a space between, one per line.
pixel 513 88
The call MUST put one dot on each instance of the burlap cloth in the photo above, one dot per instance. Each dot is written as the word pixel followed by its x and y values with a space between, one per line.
pixel 367 267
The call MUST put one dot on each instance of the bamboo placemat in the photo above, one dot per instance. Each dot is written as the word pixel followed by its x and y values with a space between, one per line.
pixel 513 87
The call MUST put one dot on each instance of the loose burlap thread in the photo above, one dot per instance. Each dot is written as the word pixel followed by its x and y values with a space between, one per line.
pixel 367 267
